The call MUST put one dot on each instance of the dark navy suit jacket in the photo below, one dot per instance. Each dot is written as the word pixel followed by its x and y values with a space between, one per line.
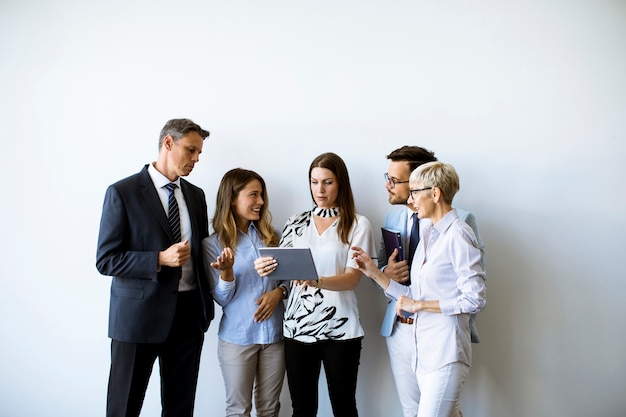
pixel 133 230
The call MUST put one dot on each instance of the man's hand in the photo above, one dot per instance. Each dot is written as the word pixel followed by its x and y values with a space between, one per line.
pixel 176 255
pixel 397 271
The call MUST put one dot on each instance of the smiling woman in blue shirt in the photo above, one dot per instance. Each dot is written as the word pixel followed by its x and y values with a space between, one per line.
pixel 250 346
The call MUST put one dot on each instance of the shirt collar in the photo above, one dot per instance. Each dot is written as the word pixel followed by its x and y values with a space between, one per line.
pixel 409 213
pixel 159 179
pixel 252 229
pixel 446 221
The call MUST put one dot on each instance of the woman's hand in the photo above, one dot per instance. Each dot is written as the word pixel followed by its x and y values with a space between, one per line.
pixel 406 304
pixel 307 283
pixel 265 265
pixel 363 262
pixel 366 265
pixel 225 261
pixel 267 304
pixel 409 305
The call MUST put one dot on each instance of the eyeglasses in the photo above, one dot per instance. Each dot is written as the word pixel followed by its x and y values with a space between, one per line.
pixel 411 192
pixel 393 181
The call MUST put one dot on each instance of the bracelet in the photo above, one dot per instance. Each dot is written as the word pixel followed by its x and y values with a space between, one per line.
pixel 284 290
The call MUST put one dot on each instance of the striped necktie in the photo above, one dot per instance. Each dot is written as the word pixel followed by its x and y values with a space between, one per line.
pixel 173 215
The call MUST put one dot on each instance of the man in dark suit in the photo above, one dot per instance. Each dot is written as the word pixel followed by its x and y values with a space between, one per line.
pixel 161 305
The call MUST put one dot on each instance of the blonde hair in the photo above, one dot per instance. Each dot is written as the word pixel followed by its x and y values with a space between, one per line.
pixel 440 175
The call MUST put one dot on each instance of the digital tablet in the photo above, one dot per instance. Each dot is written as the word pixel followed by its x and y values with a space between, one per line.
pixel 293 263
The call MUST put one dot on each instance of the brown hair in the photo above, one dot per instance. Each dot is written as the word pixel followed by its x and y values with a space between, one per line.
pixel 345 199
pixel 414 155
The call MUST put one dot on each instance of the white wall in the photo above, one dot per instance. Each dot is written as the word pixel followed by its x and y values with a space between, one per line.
pixel 526 99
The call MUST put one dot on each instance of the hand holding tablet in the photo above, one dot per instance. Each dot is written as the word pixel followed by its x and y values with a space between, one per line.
pixel 291 264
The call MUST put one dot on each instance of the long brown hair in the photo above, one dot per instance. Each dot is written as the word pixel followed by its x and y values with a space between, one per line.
pixel 345 199
pixel 224 222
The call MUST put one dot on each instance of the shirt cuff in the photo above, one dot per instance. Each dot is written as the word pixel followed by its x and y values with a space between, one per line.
pixel 449 307
pixel 395 290
pixel 226 285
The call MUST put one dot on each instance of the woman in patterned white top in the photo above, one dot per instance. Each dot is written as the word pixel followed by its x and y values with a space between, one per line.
pixel 321 324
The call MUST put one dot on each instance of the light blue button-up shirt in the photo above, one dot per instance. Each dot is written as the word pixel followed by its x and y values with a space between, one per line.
pixel 238 298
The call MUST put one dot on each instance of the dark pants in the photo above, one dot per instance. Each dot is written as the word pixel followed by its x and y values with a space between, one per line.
pixel 341 364
pixel 179 362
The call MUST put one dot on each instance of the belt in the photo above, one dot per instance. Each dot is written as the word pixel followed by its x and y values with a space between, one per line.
pixel 406 320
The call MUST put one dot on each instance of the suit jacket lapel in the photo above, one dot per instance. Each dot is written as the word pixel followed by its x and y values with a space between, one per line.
pixel 191 206
pixel 153 201
pixel 400 224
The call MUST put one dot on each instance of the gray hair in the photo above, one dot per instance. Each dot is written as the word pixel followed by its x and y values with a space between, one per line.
pixel 177 128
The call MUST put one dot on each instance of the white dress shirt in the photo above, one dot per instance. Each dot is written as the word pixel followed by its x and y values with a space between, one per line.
pixel 187 282
pixel 447 267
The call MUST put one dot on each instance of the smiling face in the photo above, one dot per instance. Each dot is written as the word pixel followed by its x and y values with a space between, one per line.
pixel 324 187
pixel 397 188
pixel 181 155
pixel 248 203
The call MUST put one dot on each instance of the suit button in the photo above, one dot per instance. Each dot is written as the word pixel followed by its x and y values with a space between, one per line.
pixel 175 292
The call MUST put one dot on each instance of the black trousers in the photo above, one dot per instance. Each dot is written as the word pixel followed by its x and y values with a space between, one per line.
pixel 179 362
pixel 341 360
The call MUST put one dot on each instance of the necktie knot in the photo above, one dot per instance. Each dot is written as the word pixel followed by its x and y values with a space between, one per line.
pixel 171 187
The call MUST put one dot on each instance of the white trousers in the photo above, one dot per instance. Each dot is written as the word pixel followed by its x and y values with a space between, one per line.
pixel 435 394
pixel 441 390
pixel 402 361
pixel 258 367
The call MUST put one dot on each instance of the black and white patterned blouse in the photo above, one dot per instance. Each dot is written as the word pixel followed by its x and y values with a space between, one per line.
pixel 315 314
